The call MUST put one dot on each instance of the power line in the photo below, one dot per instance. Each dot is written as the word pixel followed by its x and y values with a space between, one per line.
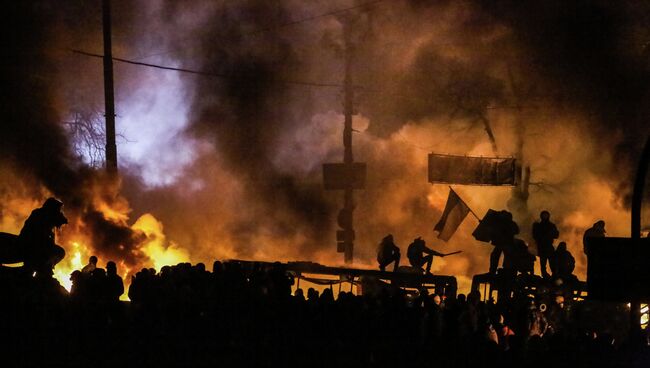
pixel 314 17
pixel 288 24
pixel 221 75
pixel 200 72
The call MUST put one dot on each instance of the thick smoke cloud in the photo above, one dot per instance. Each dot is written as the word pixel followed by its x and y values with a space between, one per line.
pixel 447 67
pixel 31 136
pixel 33 141
pixel 593 57
pixel 246 112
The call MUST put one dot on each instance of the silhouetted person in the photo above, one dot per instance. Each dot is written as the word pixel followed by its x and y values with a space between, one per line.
pixel 518 258
pixel 596 231
pixel 91 266
pixel 562 262
pixel 217 267
pixel 388 252
pixel 503 240
pixel 544 232
pixel 504 332
pixel 299 295
pixel 97 285
pixel 140 283
pixel 114 283
pixel 416 254
pixel 77 287
pixel 312 297
pixel 37 237
pixel 281 281
pixel 556 314
pixel 327 297
pixel 536 321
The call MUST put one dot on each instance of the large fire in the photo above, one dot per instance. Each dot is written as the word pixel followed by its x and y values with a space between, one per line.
pixel 157 253
pixel 231 166
pixel 154 250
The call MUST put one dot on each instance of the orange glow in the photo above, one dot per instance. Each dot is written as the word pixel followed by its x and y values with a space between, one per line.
pixel 76 256
pixel 156 248
pixel 153 250
pixel 204 227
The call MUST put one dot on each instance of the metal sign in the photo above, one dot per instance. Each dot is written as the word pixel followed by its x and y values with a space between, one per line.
pixel 339 176
pixel 471 170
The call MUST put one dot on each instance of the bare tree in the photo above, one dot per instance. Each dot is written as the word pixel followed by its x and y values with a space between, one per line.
pixel 88 136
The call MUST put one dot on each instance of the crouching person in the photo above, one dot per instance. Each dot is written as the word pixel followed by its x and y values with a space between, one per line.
pixel 37 238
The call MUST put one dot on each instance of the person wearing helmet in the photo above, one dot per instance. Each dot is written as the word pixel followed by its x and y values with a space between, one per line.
pixel 416 254
pixel 544 233
pixel 563 263
pixel 41 253
pixel 596 231
pixel 387 253
pixel 503 240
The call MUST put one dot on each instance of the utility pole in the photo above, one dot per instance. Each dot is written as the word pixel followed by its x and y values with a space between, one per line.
pixel 348 159
pixel 348 175
pixel 109 99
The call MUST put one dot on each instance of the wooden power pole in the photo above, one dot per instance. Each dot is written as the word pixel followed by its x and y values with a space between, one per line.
pixel 109 99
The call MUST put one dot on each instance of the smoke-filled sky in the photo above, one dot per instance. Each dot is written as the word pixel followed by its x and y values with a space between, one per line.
pixel 230 165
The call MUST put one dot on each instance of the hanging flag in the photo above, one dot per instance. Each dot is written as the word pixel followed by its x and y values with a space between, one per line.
pixel 455 212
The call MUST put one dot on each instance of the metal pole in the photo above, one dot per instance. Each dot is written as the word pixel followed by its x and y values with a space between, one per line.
pixel 109 100
pixel 348 159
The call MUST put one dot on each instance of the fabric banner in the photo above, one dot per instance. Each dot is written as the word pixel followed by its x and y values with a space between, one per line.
pixel 455 212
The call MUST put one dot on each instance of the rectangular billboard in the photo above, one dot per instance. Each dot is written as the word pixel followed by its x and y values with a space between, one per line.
pixel 470 170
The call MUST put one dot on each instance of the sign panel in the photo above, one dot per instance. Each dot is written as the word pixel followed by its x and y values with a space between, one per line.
pixel 339 176
pixel 471 170
pixel 618 270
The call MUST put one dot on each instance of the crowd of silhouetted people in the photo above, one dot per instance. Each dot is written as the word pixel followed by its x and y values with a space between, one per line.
pixel 254 313
pixel 246 314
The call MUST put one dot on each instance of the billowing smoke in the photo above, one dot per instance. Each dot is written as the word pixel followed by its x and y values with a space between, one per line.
pixel 593 58
pixel 34 145
pixel 431 78
pixel 560 85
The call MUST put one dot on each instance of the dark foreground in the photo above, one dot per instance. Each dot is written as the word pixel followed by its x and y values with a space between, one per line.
pixel 186 316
